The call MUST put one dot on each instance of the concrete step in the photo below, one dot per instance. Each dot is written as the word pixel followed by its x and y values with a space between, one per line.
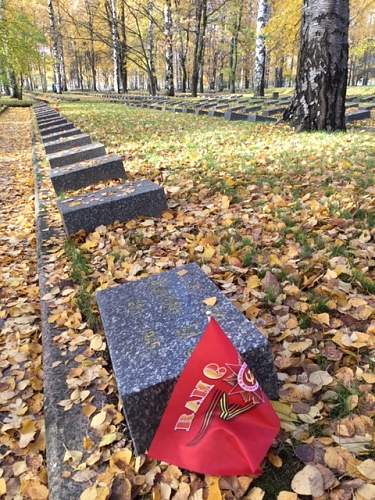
pixel 119 203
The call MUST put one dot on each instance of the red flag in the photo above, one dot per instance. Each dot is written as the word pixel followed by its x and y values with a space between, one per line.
pixel 218 420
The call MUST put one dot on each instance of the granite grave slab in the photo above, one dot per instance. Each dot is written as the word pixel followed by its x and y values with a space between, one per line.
pixel 56 128
pixel 59 135
pixel 75 155
pixel 67 143
pixel 51 123
pixel 363 114
pixel 86 173
pixel 152 326
pixel 105 206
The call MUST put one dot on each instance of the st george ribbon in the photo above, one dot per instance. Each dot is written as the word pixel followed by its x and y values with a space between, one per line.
pixel 218 420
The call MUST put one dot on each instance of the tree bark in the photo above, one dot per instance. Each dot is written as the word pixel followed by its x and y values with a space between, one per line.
pixel 201 7
pixel 123 50
pixel 152 83
pixel 233 55
pixel 92 56
pixel 115 45
pixel 168 31
pixel 319 100
pixel 260 48
pixel 55 46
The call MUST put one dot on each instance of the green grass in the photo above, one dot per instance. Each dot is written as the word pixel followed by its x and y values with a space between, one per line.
pixel 8 101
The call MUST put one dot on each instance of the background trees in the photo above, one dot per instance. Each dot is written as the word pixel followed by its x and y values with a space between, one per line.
pixel 171 45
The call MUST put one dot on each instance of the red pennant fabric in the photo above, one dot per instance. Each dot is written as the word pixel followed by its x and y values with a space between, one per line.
pixel 218 420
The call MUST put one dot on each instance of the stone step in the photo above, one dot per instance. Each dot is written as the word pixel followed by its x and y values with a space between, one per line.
pixel 86 173
pixel 67 143
pixel 153 324
pixel 56 128
pixel 118 203
pixel 58 135
pixel 75 155
pixel 51 122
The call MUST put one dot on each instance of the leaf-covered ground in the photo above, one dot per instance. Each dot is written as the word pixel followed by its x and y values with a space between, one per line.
pixel 284 223
pixel 22 465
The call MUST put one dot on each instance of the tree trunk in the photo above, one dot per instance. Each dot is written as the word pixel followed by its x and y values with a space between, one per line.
pixel 260 48
pixel 152 83
pixel 169 83
pixel 92 56
pixel 55 47
pixel 233 56
pixel 201 7
pixel 202 47
pixel 123 50
pixel 319 100
pixel 115 45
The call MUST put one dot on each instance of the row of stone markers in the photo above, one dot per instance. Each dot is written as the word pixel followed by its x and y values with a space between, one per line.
pixel 236 107
pixel 77 162
pixel 151 325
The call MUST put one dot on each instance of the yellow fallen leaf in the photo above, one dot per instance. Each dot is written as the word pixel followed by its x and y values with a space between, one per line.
pixel 322 319
pixel 214 492
pixel 308 481
pixel 255 493
pixel 284 411
pixel 120 459
pixel 210 301
pixel 3 486
pixel 209 252
pixel 253 282
pixel 369 377
pixel 320 378
pixel 89 494
pixel 33 489
pixel 96 343
pixel 98 419
pixel 299 346
pixel 287 495
pixel 225 202
pixel 108 439
pixel 365 492
pixel 367 469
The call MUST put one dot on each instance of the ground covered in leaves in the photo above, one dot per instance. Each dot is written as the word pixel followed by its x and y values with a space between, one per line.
pixel 22 464
pixel 284 223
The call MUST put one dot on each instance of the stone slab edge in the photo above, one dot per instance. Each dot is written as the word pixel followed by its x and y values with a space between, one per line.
pixel 64 429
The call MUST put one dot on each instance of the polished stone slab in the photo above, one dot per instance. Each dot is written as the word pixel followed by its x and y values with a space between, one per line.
pixel 59 135
pixel 153 324
pixel 51 123
pixel 56 128
pixel 86 173
pixel 363 114
pixel 119 203
pixel 74 155
pixel 67 143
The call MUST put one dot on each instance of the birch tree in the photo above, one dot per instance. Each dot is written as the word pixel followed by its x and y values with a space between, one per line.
pixel 319 100
pixel 168 24
pixel 55 47
pixel 152 82
pixel 260 48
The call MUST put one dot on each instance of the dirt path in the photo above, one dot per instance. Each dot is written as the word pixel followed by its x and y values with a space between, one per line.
pixel 21 378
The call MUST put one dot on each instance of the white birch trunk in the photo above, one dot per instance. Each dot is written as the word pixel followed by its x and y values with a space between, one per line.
pixel 168 31
pixel 115 46
pixel 55 46
pixel 260 48
pixel 319 101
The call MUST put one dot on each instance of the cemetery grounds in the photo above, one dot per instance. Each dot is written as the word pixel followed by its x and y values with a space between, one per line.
pixel 283 223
